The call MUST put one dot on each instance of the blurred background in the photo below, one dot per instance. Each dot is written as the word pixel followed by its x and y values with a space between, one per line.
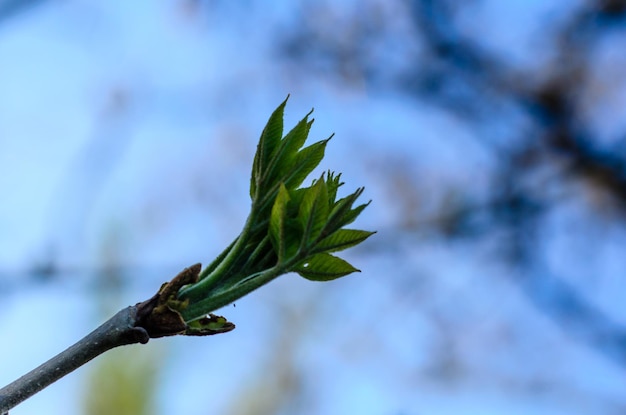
pixel 490 135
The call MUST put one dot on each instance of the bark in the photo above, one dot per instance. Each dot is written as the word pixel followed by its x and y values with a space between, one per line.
pixel 119 330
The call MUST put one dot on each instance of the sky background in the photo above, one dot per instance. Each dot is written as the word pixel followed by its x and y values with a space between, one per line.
pixel 127 131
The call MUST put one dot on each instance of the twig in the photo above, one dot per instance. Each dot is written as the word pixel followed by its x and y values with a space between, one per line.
pixel 119 330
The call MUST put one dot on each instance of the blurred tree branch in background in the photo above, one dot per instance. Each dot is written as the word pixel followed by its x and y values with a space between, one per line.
pixel 543 119
pixel 12 8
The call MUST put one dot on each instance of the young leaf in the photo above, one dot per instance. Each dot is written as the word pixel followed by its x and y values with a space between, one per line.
pixel 333 183
pixel 342 239
pixel 324 267
pixel 313 212
pixel 303 164
pixel 283 157
pixel 289 228
pixel 208 325
pixel 294 140
pixel 277 221
pixel 351 215
pixel 268 143
pixel 339 211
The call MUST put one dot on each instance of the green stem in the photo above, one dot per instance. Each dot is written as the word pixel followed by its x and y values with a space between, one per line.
pixel 198 290
pixel 211 267
pixel 252 259
pixel 199 309
pixel 218 299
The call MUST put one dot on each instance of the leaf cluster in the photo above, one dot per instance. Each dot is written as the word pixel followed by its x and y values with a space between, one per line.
pixel 306 226
pixel 289 229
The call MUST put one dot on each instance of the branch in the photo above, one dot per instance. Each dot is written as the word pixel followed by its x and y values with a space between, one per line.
pixel 289 229
pixel 135 324
pixel 119 330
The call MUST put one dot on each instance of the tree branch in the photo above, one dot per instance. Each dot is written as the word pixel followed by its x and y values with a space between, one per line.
pixel 147 320
pixel 262 252
pixel 119 330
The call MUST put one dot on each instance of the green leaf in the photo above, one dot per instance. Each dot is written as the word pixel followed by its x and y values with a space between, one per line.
pixel 208 325
pixel 313 212
pixel 304 163
pixel 342 208
pixel 268 143
pixel 294 140
pixel 342 239
pixel 295 201
pixel 350 217
pixel 293 235
pixel 277 221
pixel 324 267
pixel 284 157
pixel 288 229
pixel 334 182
